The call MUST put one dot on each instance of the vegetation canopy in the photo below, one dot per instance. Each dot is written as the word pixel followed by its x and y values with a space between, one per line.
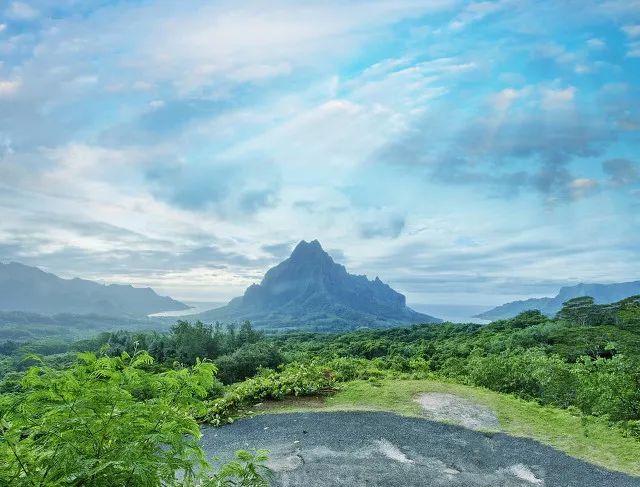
pixel 102 412
pixel 107 421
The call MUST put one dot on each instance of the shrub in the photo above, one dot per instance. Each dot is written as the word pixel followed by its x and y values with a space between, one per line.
pixel 294 380
pixel 609 387
pixel 504 372
pixel 246 361
pixel 104 421
pixel 247 470
pixel 347 368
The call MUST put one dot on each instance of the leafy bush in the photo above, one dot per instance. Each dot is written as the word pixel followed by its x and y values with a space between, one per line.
pixel 105 421
pixel 629 313
pixel 504 372
pixel 247 360
pixel 346 369
pixel 247 470
pixel 609 387
pixel 293 380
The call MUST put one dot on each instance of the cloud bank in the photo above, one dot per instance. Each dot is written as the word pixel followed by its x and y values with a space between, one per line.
pixel 463 151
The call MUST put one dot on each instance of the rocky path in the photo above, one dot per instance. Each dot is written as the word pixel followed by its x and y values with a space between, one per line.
pixel 383 449
pixel 453 409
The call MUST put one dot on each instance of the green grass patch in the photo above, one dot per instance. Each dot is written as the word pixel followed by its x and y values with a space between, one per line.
pixel 593 440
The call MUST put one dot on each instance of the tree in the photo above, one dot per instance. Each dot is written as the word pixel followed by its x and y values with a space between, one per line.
pixel 629 313
pixel 193 341
pixel 246 361
pixel 528 318
pixel 583 311
pixel 231 342
pixel 246 334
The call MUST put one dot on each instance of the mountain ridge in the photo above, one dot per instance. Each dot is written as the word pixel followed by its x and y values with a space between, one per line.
pixel 602 294
pixel 30 289
pixel 310 290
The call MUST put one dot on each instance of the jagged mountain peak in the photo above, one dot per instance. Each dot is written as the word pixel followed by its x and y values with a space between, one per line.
pixel 312 245
pixel 310 289
pixel 309 250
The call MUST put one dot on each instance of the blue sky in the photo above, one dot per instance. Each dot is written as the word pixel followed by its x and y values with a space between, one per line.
pixel 465 152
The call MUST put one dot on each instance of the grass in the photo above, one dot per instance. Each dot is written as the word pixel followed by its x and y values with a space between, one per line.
pixel 592 440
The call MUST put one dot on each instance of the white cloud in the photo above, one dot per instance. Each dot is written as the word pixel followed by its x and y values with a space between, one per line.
pixel 596 44
pixel 505 98
pixel 335 135
pixel 583 69
pixel 581 187
pixel 557 52
pixel 632 30
pixel 3 27
pixel 474 12
pixel 21 11
pixel 558 98
pixel 226 41
pixel 8 87
pixel 259 72
pixel 633 49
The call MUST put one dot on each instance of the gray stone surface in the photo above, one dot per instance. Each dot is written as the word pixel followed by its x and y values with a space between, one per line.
pixel 383 449
pixel 454 409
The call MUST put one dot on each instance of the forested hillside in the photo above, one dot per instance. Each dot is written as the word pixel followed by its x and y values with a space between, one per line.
pixel 587 359
pixel 601 294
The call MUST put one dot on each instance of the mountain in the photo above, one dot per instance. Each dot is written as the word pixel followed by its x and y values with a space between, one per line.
pixel 309 290
pixel 24 288
pixel 601 293
pixel 21 326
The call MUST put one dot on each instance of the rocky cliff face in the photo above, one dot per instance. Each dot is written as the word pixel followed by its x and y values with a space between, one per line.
pixel 310 290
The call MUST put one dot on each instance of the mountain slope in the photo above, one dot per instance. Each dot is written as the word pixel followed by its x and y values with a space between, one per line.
pixel 24 288
pixel 602 294
pixel 309 290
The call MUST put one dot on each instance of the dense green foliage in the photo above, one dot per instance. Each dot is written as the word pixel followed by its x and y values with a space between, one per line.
pixel 247 360
pixel 21 326
pixel 184 343
pixel 111 421
pixel 82 419
pixel 104 421
pixel 247 470
pixel 576 360
pixel 293 380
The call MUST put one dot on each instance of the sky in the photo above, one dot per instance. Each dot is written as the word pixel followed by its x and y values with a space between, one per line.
pixel 464 152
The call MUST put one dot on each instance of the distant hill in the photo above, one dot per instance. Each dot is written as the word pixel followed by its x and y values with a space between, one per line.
pixel 602 294
pixel 23 326
pixel 310 291
pixel 25 288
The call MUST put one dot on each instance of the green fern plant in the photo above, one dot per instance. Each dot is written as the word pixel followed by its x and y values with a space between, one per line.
pixel 247 470
pixel 106 421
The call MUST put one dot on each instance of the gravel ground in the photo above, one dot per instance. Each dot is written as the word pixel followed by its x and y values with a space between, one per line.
pixel 383 449
pixel 454 409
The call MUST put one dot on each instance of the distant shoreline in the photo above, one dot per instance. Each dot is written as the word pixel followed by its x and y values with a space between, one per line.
pixel 195 307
